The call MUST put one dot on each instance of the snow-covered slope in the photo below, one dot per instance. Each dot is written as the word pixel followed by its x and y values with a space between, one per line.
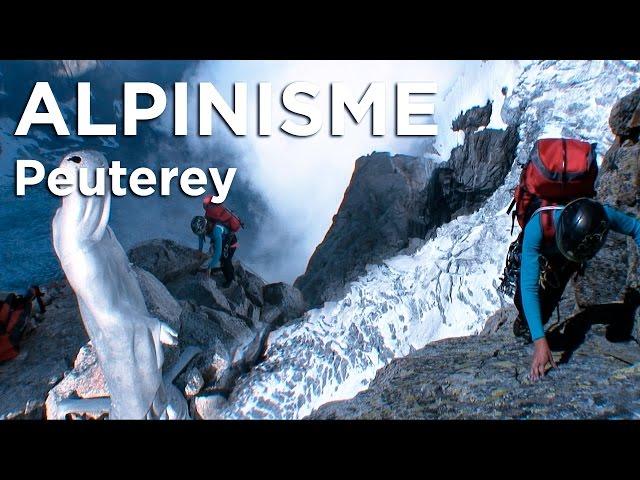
pixel 447 288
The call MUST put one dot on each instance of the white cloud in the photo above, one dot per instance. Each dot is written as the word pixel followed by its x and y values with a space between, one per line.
pixel 303 179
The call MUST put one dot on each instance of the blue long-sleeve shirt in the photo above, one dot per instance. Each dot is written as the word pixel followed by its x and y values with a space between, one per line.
pixel 218 233
pixel 532 247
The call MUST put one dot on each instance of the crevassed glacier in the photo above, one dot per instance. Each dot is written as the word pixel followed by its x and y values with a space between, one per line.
pixel 448 287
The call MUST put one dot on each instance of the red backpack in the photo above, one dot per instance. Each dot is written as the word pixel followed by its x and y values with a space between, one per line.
pixel 558 171
pixel 15 310
pixel 218 213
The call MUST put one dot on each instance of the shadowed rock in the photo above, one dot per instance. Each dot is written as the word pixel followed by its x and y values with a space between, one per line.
pixel 473 119
pixel 373 222
pixel 286 298
pixel 615 268
pixel 625 117
pixel 393 199
pixel 165 259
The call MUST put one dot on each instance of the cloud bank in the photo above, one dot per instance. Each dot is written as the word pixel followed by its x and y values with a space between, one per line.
pixel 303 179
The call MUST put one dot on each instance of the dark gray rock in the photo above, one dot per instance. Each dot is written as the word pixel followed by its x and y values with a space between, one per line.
pixel 251 283
pixel 201 290
pixel 614 268
pixel 227 323
pixel 166 259
pixel 473 119
pixel 373 222
pixel 212 366
pixel 159 301
pixel 272 314
pixel 212 329
pixel 474 171
pixel 625 117
pixel 285 297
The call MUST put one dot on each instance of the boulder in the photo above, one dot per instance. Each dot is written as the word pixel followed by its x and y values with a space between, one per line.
pixel 207 407
pixel 166 259
pixel 164 307
pixel 624 119
pixel 195 382
pixel 251 283
pixel 158 299
pixel 212 366
pixel 243 298
pixel 85 380
pixel 199 330
pixel 201 290
pixel 473 172
pixel 374 221
pixel 286 298
pixel 271 314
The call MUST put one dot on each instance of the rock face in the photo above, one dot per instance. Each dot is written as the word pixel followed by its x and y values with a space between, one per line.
pixel 473 119
pixel 225 324
pixel 373 222
pixel 287 299
pixel 615 268
pixel 486 377
pixel 463 183
pixel 392 199
pixel 625 117
pixel 85 380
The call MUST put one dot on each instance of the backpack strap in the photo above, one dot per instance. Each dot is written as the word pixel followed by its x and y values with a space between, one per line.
pixel 513 214
pixel 547 208
pixel 546 221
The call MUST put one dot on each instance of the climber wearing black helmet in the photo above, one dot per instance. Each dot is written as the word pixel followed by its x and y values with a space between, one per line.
pixel 581 228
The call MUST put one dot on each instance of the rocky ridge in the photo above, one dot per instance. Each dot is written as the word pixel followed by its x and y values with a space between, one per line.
pixel 229 326
pixel 596 345
pixel 394 202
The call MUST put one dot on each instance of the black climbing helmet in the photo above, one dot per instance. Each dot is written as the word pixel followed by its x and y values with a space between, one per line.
pixel 199 225
pixel 582 229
